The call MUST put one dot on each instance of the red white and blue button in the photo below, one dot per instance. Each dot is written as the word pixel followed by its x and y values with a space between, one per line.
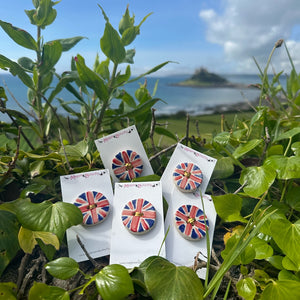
pixel 94 207
pixel 138 216
pixel 190 222
pixel 187 177
pixel 127 165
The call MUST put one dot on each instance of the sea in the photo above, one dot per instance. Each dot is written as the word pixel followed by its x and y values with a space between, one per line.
pixel 193 100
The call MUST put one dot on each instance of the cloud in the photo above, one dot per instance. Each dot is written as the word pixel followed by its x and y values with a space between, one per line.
pixel 250 28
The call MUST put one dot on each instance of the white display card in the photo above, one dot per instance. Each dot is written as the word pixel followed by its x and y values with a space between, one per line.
pixel 183 154
pixel 179 250
pixel 130 249
pixel 96 239
pixel 125 139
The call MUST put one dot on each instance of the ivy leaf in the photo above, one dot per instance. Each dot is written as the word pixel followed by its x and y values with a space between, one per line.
pixel 242 149
pixel 287 237
pixel 49 217
pixel 293 197
pixel 286 167
pixel 20 36
pixel 9 245
pixel 262 249
pixel 296 148
pixel 166 281
pixel 113 282
pixel 246 288
pixel 257 180
pixel 282 290
pixel 62 268
pixel 42 291
pixel 228 207
pixel 27 239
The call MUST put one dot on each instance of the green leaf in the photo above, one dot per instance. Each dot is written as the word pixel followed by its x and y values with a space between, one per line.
pixel 42 291
pixel 46 216
pixel 9 245
pixel 113 282
pixel 228 207
pixel 111 44
pixel 276 261
pixel 282 290
pixel 287 237
pixel 26 63
pixel 288 134
pixel 126 21
pixel 289 264
pixel 262 249
pixel 222 138
pixel 224 168
pixel 51 54
pixel 129 56
pixel 292 197
pixel 257 179
pixel 76 151
pixel 20 36
pixel 165 132
pixel 91 79
pixel 242 149
pixel 166 281
pixel 16 69
pixel 52 156
pixel 287 275
pixel 296 148
pixel 286 167
pixel 8 291
pixel 27 239
pixel 246 288
pixel 69 43
pixel 63 268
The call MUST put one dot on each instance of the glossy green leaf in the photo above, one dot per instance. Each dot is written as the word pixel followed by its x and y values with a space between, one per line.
pixel 276 261
pixel 16 70
pixel 63 267
pixel 26 63
pixel 8 291
pixel 222 138
pixel 260 275
pixel 51 54
pixel 292 197
pixel 113 282
pixel 28 239
pixel 111 44
pixel 296 148
pixel 286 167
pixel 228 207
pixel 91 79
pixel 288 134
pixel 51 156
pixel 246 288
pixel 289 264
pixel 287 237
pixel 20 36
pixel 42 291
pixel 224 168
pixel 262 249
pixel 257 180
pixel 243 149
pixel 166 281
pixel 76 151
pixel 282 290
pixel 50 217
pixel 69 43
pixel 32 188
pixel 258 116
pixel 9 245
pixel 165 132
pixel 287 275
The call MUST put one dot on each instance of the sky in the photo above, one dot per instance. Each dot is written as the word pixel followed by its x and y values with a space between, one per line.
pixel 220 35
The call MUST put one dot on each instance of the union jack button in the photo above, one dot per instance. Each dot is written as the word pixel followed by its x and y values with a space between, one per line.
pixel 94 207
pixel 127 165
pixel 139 216
pixel 187 177
pixel 190 222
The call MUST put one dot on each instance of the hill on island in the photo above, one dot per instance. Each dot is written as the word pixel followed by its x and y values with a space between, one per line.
pixel 203 78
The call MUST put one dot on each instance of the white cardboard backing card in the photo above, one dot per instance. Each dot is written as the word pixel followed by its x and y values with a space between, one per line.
pixel 130 249
pixel 179 250
pixel 125 139
pixel 96 239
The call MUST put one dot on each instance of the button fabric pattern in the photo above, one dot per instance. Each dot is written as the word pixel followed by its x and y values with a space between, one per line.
pixel 190 222
pixel 94 207
pixel 127 165
pixel 187 177
pixel 139 216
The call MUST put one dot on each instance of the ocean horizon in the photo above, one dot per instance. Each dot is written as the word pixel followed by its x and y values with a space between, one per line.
pixel 193 100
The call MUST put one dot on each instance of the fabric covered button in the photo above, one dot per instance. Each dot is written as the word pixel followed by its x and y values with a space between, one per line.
pixel 94 207
pixel 190 222
pixel 139 216
pixel 127 165
pixel 187 177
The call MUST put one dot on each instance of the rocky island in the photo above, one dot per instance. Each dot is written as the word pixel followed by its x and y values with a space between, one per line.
pixel 203 78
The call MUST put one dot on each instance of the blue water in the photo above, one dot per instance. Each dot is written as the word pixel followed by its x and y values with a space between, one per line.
pixel 175 98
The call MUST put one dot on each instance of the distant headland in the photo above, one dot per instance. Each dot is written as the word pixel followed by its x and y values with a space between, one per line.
pixel 204 79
